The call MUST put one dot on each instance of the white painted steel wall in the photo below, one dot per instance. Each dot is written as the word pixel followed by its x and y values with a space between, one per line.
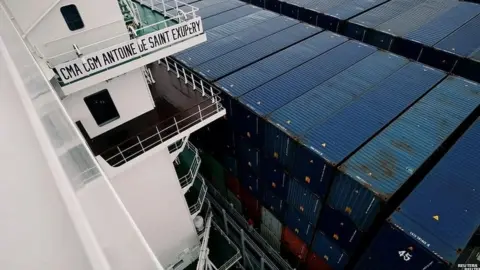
pixel 129 92
pixel 36 231
pixel 152 194
pixel 56 133
pixel 51 35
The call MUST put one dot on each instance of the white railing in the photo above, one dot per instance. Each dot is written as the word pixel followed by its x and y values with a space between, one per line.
pixel 195 208
pixel 173 13
pixel 160 133
pixel 188 178
pixel 203 257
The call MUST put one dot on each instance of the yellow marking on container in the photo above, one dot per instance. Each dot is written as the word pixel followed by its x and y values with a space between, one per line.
pixel 436 217
pixel 275 154
pixel 307 179
pixel 348 209
pixel 335 236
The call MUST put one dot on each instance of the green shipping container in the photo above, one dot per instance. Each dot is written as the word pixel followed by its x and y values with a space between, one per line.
pixel 213 171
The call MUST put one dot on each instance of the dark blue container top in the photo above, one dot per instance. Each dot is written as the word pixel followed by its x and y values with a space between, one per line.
pixel 446 226
pixel 281 90
pixel 465 41
pixel 239 15
pixel 234 60
pixel 380 168
pixel 201 54
pixel 440 215
pixel 218 8
pixel 251 77
pixel 385 12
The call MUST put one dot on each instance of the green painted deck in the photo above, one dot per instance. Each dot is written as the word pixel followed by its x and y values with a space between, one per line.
pixel 149 17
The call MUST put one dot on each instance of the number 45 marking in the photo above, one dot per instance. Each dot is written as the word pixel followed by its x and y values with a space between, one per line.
pixel 405 255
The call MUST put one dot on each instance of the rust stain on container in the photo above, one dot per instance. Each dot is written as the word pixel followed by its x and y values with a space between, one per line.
pixel 403 146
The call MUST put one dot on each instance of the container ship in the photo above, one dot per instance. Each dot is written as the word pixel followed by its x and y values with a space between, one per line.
pixel 228 134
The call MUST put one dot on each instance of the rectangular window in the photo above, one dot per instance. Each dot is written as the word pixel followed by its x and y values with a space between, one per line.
pixel 101 107
pixel 72 17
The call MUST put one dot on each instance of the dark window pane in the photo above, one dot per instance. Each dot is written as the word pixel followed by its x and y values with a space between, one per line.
pixel 101 107
pixel 72 17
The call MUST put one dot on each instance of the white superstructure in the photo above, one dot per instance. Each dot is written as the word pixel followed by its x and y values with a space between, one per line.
pixel 94 118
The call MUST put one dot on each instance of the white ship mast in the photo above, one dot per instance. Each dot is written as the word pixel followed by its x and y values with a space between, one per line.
pixel 106 118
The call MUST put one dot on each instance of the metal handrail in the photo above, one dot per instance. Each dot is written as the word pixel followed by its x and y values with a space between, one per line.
pixel 170 17
pixel 201 196
pixel 188 178
pixel 235 257
pixel 203 257
pixel 160 135
pixel 217 198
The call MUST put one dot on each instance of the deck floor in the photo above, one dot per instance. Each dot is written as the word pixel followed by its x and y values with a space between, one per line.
pixel 172 98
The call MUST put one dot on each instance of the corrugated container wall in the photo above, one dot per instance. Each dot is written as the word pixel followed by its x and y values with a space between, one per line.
pixel 335 257
pixel 272 223
pixel 316 106
pixel 304 201
pixel 436 230
pixel 275 178
pixel 294 244
pixel 274 203
pixel 377 171
pixel 272 239
pixel 299 225
pixel 234 60
pixel 197 56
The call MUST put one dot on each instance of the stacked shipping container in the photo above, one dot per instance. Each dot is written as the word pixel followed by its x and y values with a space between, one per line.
pixel 302 106
pixel 440 33
pixel 437 220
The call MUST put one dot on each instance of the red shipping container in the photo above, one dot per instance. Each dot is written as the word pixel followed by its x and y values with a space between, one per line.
pixel 294 244
pixel 315 262
pixel 252 207
pixel 233 185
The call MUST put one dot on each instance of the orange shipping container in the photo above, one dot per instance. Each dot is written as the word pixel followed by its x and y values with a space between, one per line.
pixel 294 244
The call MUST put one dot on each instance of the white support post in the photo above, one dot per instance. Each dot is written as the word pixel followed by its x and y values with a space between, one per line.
pixel 211 93
pixel 158 132
pixel 193 82
pixel 166 62
pixel 185 76
pixel 140 142
pixel 120 151
pixel 176 125
pixel 176 69
pixel 200 111
pixel 203 88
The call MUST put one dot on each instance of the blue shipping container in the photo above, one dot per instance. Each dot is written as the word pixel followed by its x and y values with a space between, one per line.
pixel 329 251
pixel 244 80
pixel 314 107
pixel 234 60
pixel 250 181
pixel 202 54
pixel 248 156
pixel 378 170
pixel 358 26
pixel 218 8
pixel 274 177
pixel 428 230
pixel 274 203
pixel 256 74
pixel 281 90
pixel 299 224
pixel 339 229
pixel 304 201
pixel 240 15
